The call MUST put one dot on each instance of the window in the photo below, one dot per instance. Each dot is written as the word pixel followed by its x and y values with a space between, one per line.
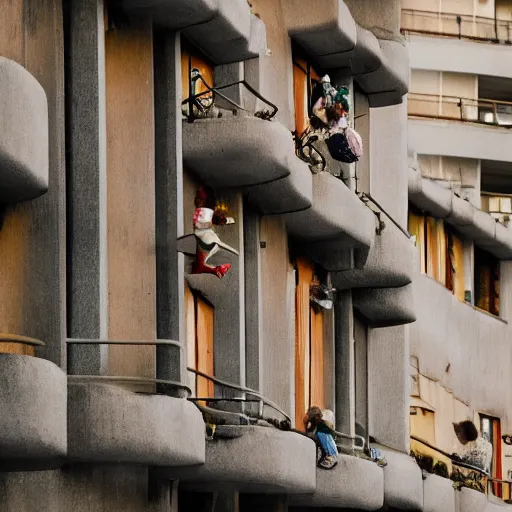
pixel 304 78
pixel 487 282
pixel 199 321
pixel 309 345
pixel 490 428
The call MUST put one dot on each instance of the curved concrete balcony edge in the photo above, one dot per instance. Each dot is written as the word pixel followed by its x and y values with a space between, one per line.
pixel 225 30
pixel 390 263
pixel 449 54
pixel 24 147
pixel 468 500
pixel 337 220
pixel 107 423
pixel 459 139
pixel 238 151
pixel 386 307
pixel 403 483
pixel 261 459
pixel 33 401
pixel 475 224
pixel 438 494
pixel 354 483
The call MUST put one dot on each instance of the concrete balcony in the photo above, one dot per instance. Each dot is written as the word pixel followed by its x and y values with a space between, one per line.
pixel 354 484
pixel 468 500
pixel 32 413
pixel 337 221
pixel 390 263
pixel 23 134
pixel 260 460
pixel 224 30
pixel 334 40
pixel 107 423
pixel 386 307
pixel 459 139
pixel 438 494
pixel 403 484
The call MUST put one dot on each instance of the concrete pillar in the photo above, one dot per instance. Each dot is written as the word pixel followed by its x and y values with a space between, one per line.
pixel 169 205
pixel 87 183
pixel 388 383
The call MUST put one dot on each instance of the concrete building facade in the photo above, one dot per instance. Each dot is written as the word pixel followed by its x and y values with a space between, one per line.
pixel 133 378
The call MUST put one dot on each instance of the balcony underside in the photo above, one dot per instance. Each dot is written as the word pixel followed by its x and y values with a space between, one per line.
pixel 336 223
pixel 23 134
pixel 334 40
pixel 386 307
pixel 472 222
pixel 107 423
pixel 33 413
pixel 260 460
pixel 390 263
pixel 354 484
pixel 224 30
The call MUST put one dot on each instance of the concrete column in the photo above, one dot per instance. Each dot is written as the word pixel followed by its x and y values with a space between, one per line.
pixel 87 183
pixel 388 383
pixel 169 205
pixel 344 362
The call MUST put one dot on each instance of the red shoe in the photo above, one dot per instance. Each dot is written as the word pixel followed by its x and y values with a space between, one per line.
pixel 222 270
pixel 200 267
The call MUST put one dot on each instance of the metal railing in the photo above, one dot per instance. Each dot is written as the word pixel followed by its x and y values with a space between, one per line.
pixel 21 340
pixel 483 111
pixel 461 26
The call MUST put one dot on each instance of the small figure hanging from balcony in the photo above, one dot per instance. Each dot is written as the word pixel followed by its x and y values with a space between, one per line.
pixel 322 432
pixel 206 216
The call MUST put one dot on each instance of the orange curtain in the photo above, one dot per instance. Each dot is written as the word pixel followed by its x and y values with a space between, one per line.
pixel 190 60
pixel 416 228
pixel 204 347
pixel 317 358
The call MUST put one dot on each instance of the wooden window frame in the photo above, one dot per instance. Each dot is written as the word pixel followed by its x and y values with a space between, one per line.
pixel 493 283
pixel 497 458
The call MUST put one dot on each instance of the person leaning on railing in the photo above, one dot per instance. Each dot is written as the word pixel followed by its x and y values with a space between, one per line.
pixel 476 450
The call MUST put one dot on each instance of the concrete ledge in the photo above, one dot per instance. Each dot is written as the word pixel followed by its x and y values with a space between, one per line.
pixel 403 484
pixel 386 307
pixel 110 424
pixel 261 460
pixel 337 216
pixel 354 483
pixel 32 413
pixel 239 151
pixel 390 263
pixel 24 146
pixel 225 30
pixel 468 500
pixel 438 494
pixel 475 224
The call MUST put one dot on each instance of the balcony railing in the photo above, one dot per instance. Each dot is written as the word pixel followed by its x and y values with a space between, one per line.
pixel 460 26
pixel 484 111
pixel 498 206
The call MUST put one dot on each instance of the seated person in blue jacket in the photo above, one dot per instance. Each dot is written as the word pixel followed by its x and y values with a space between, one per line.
pixel 323 433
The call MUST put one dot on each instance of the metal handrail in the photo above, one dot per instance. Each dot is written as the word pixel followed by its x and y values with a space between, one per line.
pixel 242 389
pixel 78 341
pixel 191 100
pixel 354 437
pixel 21 340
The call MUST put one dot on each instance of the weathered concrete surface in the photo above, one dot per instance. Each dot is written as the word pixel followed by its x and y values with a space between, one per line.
pixel 438 494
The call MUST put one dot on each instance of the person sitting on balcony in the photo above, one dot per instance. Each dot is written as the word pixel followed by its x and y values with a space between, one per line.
pixel 323 433
pixel 476 451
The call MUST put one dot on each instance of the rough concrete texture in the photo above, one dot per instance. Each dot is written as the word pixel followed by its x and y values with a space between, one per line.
pixel 459 139
pixel 291 194
pixel 32 413
pixel 228 33
pixel 84 488
pixel 438 494
pixel 472 222
pixel 110 424
pixel 326 31
pixel 475 337
pixel 390 82
pixel 390 262
pixel 239 151
pixel 354 483
pixel 386 307
pixel 403 484
pixel 497 507
pixel 336 214
pixel 467 500
pixel 382 17
pixel 445 54
pixel 24 149
pixel 262 460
